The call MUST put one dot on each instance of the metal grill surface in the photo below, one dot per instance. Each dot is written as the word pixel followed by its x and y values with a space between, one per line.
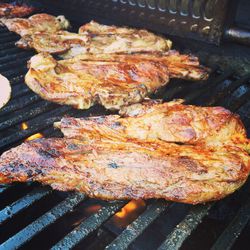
pixel 36 217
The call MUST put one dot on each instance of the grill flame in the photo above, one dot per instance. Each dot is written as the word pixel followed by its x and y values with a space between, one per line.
pixel 33 137
pixel 129 213
pixel 25 126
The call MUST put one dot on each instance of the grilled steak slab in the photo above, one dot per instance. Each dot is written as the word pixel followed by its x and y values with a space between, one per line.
pixel 69 45
pixel 36 23
pixel 96 28
pixel 110 80
pixel 170 122
pixel 14 10
pixel 125 170
pixel 113 39
pixel 114 157
pixel 44 33
pixel 64 43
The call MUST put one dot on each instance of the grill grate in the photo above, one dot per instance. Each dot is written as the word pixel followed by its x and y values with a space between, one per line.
pixel 138 226
pixel 223 88
pixel 185 228
pixel 88 226
pixel 21 204
pixel 42 222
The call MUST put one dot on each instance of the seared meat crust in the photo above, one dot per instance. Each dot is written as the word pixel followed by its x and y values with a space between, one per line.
pixel 36 23
pixel 96 28
pixel 115 157
pixel 113 39
pixel 11 10
pixel 125 170
pixel 55 43
pixel 113 81
pixel 44 33
pixel 179 65
pixel 69 45
pixel 170 122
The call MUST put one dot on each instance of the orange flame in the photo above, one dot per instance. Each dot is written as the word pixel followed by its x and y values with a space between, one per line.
pixel 129 212
pixel 25 126
pixel 130 207
pixel 33 137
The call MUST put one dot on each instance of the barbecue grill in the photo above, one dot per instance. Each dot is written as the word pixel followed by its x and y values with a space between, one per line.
pixel 36 217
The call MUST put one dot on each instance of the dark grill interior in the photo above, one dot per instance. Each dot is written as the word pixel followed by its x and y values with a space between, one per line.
pixel 35 217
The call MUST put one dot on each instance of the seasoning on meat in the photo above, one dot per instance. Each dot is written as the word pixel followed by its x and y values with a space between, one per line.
pixel 171 122
pixel 15 10
pixel 49 37
pixel 110 80
pixel 114 170
pixel 36 23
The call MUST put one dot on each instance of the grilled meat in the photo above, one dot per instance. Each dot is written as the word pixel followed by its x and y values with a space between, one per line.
pixel 72 44
pixel 115 157
pixel 96 28
pixel 112 39
pixel 55 43
pixel 170 122
pixel 10 10
pixel 179 66
pixel 139 42
pixel 36 23
pixel 125 170
pixel 112 82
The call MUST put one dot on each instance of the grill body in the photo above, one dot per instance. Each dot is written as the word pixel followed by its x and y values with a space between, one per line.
pixel 198 19
pixel 211 21
pixel 35 217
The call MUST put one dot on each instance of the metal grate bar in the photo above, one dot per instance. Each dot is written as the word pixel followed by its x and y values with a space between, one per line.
pixel 23 203
pixel 185 228
pixel 189 98
pixel 43 107
pixel 226 92
pixel 240 101
pixel 22 134
pixel 229 236
pixel 15 56
pixel 19 104
pixel 14 73
pixel 174 91
pixel 243 111
pixel 7 39
pixel 3 29
pixel 9 34
pixel 88 226
pixel 3 189
pixel 177 88
pixel 138 226
pixel 8 52
pixel 42 222
pixel 7 45
pixel 17 79
pixel 14 63
pixel 19 90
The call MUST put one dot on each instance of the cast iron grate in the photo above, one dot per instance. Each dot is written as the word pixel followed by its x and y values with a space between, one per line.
pixel 30 213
